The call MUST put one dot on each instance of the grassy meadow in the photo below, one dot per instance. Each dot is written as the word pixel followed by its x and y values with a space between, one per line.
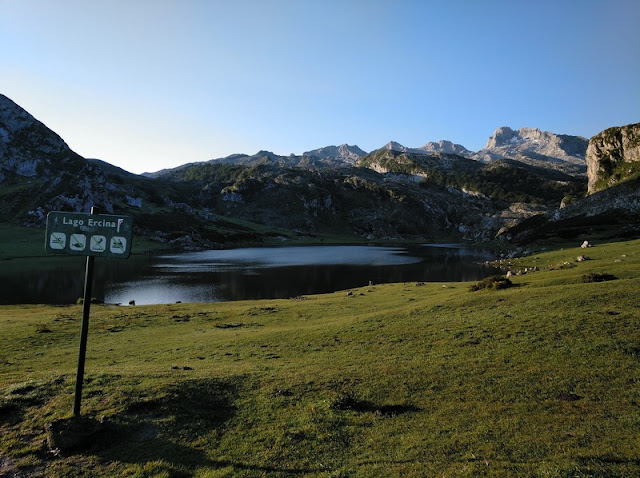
pixel 538 379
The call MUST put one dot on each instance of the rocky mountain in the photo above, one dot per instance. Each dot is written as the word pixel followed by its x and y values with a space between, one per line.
pixel 613 201
pixel 291 161
pixel 37 165
pixel 527 145
pixel 447 147
pixel 503 181
pixel 27 147
pixel 345 153
pixel 532 146
pixel 327 157
pixel 613 156
pixel 39 173
pixel 435 192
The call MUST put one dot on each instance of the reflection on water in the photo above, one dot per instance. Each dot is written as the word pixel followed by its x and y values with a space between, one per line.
pixel 266 257
pixel 236 274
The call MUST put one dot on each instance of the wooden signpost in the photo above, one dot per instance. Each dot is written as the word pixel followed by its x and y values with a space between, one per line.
pixel 92 235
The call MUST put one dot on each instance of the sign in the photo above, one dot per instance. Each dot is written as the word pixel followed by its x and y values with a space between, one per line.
pixel 100 235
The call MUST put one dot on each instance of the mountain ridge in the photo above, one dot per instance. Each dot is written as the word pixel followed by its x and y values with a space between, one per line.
pixel 531 146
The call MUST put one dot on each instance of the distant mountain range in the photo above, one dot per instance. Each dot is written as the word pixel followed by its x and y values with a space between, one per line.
pixel 521 183
pixel 527 145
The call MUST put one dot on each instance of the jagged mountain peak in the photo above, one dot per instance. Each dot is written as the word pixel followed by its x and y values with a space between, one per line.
pixel 343 152
pixel 431 148
pixel 395 146
pixel 444 146
pixel 509 143
pixel 264 152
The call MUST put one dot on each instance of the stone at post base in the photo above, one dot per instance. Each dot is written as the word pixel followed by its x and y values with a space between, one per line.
pixel 76 434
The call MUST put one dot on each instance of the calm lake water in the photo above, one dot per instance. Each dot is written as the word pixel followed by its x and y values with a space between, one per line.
pixel 237 274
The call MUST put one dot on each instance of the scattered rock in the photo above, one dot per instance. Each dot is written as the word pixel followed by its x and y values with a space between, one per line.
pixel 583 258
pixel 76 434
pixel 585 244
pixel 285 392
pixel 228 326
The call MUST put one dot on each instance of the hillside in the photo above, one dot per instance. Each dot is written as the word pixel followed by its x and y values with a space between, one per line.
pixel 39 173
pixel 539 379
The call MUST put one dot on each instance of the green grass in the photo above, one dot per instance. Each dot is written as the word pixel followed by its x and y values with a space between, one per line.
pixel 540 379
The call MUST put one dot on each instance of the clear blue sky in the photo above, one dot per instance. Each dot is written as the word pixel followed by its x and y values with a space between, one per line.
pixel 151 84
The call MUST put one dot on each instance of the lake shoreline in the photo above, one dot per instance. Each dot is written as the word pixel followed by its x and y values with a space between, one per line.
pixel 277 271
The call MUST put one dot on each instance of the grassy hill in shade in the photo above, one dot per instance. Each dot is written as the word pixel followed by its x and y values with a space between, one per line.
pixel 538 379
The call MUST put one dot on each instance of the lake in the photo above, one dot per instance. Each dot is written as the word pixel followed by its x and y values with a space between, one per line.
pixel 237 274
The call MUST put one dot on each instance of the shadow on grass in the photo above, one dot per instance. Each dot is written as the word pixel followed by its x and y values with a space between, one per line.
pixel 349 402
pixel 158 432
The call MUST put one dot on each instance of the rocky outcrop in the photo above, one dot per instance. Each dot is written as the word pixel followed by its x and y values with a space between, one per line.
pixel 534 145
pixel 28 147
pixel 448 147
pixel 344 152
pixel 613 156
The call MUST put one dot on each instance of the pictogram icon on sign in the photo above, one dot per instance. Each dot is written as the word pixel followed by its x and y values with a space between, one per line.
pixel 57 240
pixel 118 245
pixel 98 243
pixel 78 242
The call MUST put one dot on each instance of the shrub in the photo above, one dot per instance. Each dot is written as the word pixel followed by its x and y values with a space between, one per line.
pixel 496 282
pixel 593 277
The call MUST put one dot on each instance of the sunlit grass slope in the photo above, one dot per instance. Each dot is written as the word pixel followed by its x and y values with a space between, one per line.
pixel 540 379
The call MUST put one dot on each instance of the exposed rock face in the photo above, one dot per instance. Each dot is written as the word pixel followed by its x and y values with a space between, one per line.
pixel 45 173
pixel 27 147
pixel 530 146
pixel 444 146
pixel 612 156
pixel 344 152
pixel 535 144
